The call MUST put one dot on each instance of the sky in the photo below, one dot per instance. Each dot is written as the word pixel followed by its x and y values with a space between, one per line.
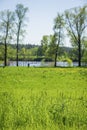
pixel 41 15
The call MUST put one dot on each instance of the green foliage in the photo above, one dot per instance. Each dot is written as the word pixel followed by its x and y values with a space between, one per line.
pixel 43 98
pixel 20 13
pixel 6 25
pixel 69 61
pixel 1 52
pixel 84 57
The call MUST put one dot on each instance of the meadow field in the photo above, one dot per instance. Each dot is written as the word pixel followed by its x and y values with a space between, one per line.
pixel 43 98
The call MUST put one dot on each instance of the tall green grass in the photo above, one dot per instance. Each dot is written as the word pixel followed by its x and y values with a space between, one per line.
pixel 43 98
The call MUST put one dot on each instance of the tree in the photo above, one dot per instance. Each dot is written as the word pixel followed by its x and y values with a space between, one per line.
pixel 44 44
pixel 6 24
pixel 52 46
pixel 20 14
pixel 58 33
pixel 76 21
pixel 47 47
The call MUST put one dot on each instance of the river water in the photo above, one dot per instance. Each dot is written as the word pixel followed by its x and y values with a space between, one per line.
pixel 41 64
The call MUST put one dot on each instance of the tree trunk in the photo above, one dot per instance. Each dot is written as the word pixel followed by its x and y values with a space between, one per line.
pixel 18 42
pixel 79 52
pixel 17 55
pixel 55 62
pixel 56 53
pixel 5 54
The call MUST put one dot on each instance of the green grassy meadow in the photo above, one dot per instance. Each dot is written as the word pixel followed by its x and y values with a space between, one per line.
pixel 43 98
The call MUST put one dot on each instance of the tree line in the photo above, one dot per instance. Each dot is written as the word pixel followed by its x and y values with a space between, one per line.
pixel 29 52
pixel 72 22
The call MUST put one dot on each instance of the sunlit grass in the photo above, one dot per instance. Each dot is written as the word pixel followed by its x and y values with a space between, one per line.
pixel 43 98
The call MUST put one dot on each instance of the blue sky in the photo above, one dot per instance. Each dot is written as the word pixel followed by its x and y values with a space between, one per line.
pixel 41 15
